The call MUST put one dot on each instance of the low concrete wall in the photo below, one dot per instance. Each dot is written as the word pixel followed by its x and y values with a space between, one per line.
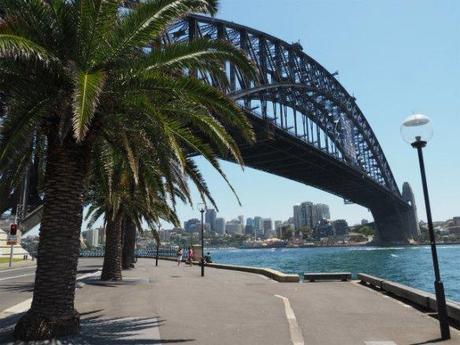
pixel 418 297
pixel 267 272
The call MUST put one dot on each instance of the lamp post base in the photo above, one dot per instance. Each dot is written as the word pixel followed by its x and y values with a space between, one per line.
pixel 442 310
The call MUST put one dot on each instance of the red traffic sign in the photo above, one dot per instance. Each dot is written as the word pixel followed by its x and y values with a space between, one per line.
pixel 13 229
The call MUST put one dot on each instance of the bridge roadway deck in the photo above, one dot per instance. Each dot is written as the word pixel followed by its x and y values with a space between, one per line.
pixel 228 307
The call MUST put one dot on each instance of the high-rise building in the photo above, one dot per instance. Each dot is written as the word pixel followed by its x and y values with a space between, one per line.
pixel 297 217
pixel 258 226
pixel 192 225
pixel 92 237
pixel 249 228
pixel 241 219
pixel 267 226
pixel 165 235
pixel 210 218
pixel 323 211
pixel 101 235
pixel 307 216
pixel 234 227
pixel 220 226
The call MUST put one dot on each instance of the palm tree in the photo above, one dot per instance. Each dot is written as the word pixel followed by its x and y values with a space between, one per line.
pixel 122 198
pixel 128 254
pixel 69 69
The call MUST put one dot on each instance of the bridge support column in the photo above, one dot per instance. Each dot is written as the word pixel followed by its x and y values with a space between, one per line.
pixel 393 225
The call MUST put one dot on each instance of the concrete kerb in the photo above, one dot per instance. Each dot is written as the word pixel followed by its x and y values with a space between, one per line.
pixel 267 272
pixel 418 297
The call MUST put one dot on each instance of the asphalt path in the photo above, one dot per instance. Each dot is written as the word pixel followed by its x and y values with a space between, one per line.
pixel 16 284
pixel 171 304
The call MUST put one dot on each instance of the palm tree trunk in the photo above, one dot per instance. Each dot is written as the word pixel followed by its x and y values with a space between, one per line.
pixel 129 243
pixel 52 312
pixel 111 269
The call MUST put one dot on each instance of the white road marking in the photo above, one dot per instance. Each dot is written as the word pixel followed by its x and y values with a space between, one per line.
pixel 294 329
pixel 16 309
pixel 19 276
pixel 16 269
pixel 380 343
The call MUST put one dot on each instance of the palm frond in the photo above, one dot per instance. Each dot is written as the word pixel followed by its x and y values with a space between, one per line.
pixel 87 89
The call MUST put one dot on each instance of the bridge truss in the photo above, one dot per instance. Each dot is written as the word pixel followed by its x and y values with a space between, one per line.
pixel 294 93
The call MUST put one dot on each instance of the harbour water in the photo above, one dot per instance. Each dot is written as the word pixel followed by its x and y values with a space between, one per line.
pixel 410 265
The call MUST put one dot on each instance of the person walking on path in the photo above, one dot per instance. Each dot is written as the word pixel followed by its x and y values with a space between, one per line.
pixel 190 256
pixel 179 256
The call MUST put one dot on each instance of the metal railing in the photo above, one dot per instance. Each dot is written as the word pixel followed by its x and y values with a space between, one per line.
pixel 168 251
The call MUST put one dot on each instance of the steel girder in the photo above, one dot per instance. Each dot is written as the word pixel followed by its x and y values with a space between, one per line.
pixel 307 101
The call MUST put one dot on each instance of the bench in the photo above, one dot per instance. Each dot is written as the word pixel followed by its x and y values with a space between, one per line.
pixel 343 276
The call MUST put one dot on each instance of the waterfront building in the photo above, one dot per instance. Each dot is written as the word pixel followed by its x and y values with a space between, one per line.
pixel 250 221
pixel 210 218
pixel 456 221
pixel 241 219
pixel 220 226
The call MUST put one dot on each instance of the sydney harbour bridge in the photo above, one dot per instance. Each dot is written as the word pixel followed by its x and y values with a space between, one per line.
pixel 308 127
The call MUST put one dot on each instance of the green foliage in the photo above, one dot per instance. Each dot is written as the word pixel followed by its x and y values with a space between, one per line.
pixel 77 69
pixel 365 230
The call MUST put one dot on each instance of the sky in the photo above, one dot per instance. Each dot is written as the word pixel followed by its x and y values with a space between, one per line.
pixel 396 58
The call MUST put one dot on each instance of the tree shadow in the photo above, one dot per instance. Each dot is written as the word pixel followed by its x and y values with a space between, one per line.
pixel 97 329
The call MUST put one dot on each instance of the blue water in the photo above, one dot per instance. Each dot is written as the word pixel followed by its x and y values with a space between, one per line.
pixel 407 265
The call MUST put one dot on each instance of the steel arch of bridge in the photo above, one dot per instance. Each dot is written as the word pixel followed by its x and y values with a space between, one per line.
pixel 306 100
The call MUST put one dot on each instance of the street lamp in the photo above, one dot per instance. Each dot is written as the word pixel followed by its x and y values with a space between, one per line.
pixel 202 208
pixel 417 131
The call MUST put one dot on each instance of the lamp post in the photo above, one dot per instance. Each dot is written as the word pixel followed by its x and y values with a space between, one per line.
pixel 157 240
pixel 417 131
pixel 202 207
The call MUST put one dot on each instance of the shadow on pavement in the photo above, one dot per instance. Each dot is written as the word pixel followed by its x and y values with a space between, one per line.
pixel 97 329
pixel 432 341
pixel 21 287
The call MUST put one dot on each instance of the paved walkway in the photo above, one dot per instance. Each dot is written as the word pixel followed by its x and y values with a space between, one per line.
pixel 170 304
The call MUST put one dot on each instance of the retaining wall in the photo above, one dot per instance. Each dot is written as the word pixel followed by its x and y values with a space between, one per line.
pixel 418 297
